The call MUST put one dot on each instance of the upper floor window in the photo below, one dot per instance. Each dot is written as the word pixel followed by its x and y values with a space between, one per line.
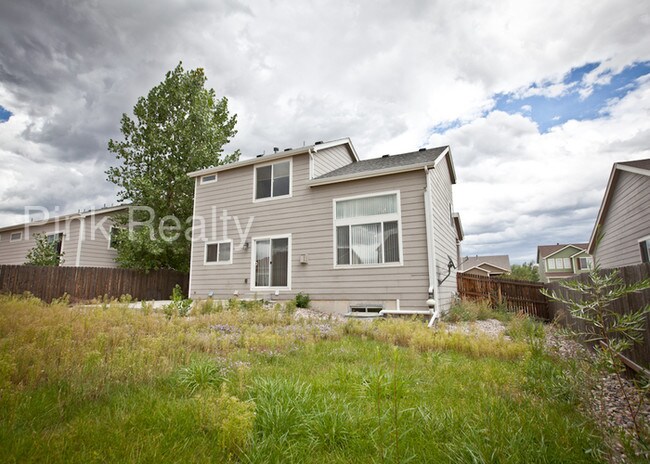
pixel 208 179
pixel 273 180
pixel 585 262
pixel 15 236
pixel 550 264
pixel 644 244
pixel 367 230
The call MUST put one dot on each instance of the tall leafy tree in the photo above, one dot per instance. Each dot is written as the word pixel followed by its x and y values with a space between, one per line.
pixel 527 271
pixel 179 127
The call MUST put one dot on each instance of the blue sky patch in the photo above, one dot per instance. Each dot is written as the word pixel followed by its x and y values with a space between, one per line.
pixel 549 111
pixel 4 114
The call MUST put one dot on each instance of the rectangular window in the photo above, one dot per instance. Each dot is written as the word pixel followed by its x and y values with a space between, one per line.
pixel 218 252
pixel 550 264
pixel 273 180
pixel 645 250
pixel 272 266
pixel 367 230
pixel 209 178
pixel 585 263
pixel 113 237
pixel 15 236
pixel 567 263
pixel 56 240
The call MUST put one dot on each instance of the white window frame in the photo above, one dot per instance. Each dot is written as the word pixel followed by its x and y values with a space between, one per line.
pixel 271 163
pixel 254 241
pixel 20 236
pixel 218 243
pixel 209 181
pixel 62 234
pixel 566 263
pixel 588 259
pixel 110 238
pixel 550 264
pixel 641 240
pixel 377 218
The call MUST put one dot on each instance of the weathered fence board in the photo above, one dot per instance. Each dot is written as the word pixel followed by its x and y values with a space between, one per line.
pixel 515 295
pixel 640 354
pixel 87 283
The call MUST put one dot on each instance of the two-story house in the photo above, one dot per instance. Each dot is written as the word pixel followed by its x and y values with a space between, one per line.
pixel 357 236
pixel 485 266
pixel 83 238
pixel 560 261
pixel 621 236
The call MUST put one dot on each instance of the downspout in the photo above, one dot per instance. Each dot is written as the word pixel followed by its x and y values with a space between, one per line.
pixel 432 300
pixel 82 233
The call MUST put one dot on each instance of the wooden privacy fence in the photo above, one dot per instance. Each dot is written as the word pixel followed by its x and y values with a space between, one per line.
pixel 515 295
pixel 639 355
pixel 86 283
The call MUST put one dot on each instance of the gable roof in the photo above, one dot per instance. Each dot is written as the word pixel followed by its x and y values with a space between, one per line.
pixel 314 148
pixel 501 262
pixel 544 251
pixel 641 167
pixel 390 164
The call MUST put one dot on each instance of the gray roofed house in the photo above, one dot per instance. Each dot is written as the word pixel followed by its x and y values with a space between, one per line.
pixel 621 235
pixel 358 236
pixel 485 266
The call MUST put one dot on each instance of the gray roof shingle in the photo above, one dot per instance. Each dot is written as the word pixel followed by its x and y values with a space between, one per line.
pixel 393 161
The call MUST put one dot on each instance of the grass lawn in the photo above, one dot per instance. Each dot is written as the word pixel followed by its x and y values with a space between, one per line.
pixel 247 384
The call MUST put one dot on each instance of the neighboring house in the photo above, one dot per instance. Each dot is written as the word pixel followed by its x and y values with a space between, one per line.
pixel 485 266
pixel 357 236
pixel 623 222
pixel 560 261
pixel 84 238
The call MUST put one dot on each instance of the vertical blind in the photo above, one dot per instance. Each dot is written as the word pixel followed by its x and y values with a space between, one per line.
pixel 271 262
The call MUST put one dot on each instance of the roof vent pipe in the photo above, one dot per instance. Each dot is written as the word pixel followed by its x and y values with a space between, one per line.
pixel 422 149
pixel 385 156
pixel 288 149
pixel 318 143
pixel 276 149
pixel 259 156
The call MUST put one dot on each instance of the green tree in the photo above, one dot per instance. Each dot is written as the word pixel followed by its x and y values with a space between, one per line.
pixel 46 252
pixel 179 127
pixel 611 332
pixel 526 271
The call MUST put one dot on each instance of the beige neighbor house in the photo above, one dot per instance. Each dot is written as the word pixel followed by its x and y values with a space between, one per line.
pixel 623 222
pixel 561 261
pixel 485 266
pixel 356 236
pixel 84 238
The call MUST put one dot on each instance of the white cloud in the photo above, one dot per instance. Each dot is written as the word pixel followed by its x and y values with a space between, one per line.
pixel 383 73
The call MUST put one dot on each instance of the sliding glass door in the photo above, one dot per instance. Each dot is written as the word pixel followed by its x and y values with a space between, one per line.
pixel 272 262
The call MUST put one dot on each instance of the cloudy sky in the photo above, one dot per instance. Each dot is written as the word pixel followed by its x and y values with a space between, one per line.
pixel 537 99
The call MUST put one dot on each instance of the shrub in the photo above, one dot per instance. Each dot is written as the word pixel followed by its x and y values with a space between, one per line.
pixel 201 374
pixel 179 306
pixel 302 300
pixel 470 310
pixel 230 418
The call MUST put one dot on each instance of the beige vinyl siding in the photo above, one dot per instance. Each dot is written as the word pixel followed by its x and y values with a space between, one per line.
pixel 444 232
pixel 330 159
pixel 308 217
pixel 94 246
pixel 627 220
pixel 16 252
